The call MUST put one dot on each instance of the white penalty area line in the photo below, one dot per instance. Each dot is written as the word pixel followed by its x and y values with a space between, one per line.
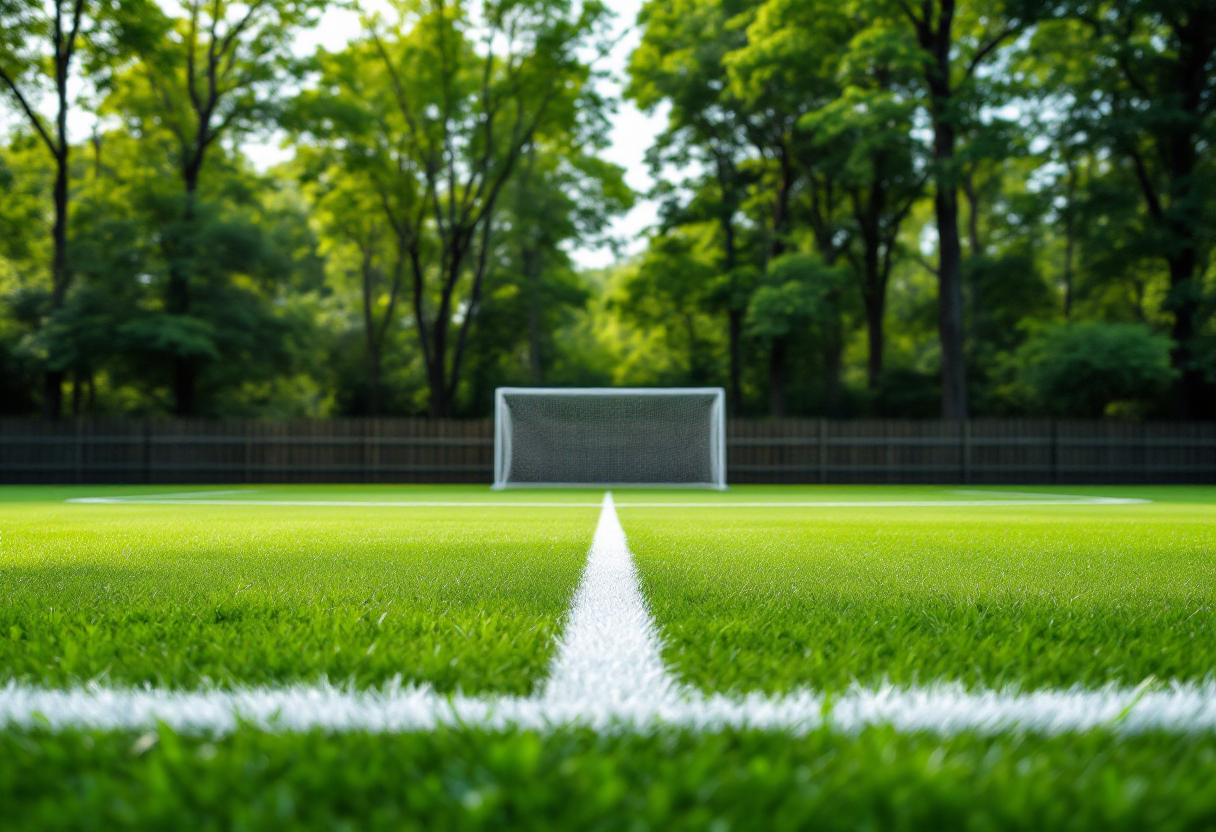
pixel 609 675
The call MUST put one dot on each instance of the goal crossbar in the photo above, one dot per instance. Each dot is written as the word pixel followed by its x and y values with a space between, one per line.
pixel 610 436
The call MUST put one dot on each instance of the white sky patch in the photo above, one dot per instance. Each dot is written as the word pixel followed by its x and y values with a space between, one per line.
pixel 609 675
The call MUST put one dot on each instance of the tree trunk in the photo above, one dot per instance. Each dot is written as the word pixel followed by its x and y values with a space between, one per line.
pixel 777 245
pixel 1197 46
pixel 52 394
pixel 973 216
pixel 833 351
pixel 734 317
pixel 52 390
pixel 77 390
pixel 875 304
pixel 776 378
pixel 436 377
pixel 1070 232
pixel 874 280
pixel 1184 299
pixel 950 276
pixel 935 35
pixel 373 380
pixel 370 344
pixel 735 329
pixel 185 370
pixel 535 356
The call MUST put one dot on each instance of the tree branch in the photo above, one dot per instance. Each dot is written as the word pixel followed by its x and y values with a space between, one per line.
pixel 985 50
pixel 1146 185
pixel 34 118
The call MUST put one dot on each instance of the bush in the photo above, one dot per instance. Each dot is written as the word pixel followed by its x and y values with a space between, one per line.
pixel 1092 369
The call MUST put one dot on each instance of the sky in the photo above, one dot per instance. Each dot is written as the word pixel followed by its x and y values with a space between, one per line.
pixel 632 131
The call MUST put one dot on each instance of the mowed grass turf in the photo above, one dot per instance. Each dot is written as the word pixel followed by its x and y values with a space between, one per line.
pixel 186 596
pixel 576 780
pixel 1024 596
pixel 747 598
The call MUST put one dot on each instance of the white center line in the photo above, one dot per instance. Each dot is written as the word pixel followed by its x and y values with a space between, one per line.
pixel 610 655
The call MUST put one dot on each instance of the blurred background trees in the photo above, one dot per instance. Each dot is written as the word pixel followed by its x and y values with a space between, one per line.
pixel 866 207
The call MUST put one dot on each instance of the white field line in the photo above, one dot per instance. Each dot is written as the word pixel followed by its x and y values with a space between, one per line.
pixel 1080 501
pixel 170 495
pixel 609 676
pixel 940 709
pixel 1077 501
pixel 610 655
pixel 1038 494
pixel 329 503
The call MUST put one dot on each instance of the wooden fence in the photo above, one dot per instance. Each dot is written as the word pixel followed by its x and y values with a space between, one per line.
pixel 774 451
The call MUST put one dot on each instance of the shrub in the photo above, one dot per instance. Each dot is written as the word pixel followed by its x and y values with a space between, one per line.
pixel 1095 368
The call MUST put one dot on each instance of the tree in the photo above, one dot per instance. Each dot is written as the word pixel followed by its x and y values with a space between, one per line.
pixel 666 291
pixel 252 324
pixel 954 42
pixel 861 149
pixel 784 73
pixel 1150 99
pixel 799 292
pixel 681 61
pixel 561 194
pixel 215 72
pixel 38 49
pixel 1080 370
pixel 436 111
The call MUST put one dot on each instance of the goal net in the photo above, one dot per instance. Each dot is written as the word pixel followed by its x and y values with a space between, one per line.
pixel 610 436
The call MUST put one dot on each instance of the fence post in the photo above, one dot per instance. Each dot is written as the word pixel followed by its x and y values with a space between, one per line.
pixel 366 456
pixel 245 428
pixel 1054 445
pixel 823 450
pixel 1144 452
pixel 965 437
pixel 79 450
pixel 889 452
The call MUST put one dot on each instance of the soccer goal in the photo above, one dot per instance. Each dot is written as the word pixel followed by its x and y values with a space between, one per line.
pixel 610 436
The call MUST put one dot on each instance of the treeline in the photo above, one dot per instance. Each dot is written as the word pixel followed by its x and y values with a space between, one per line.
pixel 868 207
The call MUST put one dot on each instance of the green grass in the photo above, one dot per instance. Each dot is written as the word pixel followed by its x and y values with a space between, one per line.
pixel 472 598
pixel 468 780
pixel 189 596
pixel 1030 596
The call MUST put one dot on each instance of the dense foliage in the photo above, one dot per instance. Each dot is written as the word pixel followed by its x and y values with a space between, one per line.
pixel 867 207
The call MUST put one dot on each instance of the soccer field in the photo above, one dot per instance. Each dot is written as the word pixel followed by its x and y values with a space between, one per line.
pixel 762 658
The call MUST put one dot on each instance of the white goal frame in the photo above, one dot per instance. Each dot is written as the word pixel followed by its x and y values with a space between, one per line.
pixel 502 436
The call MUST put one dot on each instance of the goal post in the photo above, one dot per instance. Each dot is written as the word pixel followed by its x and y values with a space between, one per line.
pixel 610 436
